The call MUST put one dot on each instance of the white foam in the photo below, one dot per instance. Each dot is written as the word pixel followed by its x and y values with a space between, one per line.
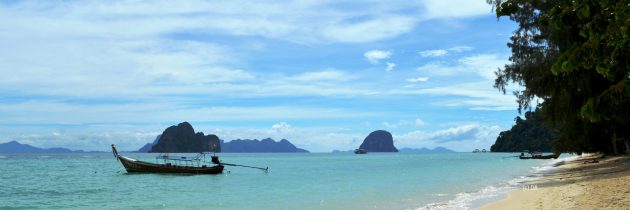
pixel 438 194
pixel 466 200
pixel 551 165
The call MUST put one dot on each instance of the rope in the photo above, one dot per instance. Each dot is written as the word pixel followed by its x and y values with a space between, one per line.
pixel 264 169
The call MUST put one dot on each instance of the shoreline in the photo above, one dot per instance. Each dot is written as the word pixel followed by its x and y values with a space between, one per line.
pixel 587 182
pixel 497 191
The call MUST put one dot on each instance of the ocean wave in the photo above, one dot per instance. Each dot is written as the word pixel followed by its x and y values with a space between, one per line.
pixel 467 199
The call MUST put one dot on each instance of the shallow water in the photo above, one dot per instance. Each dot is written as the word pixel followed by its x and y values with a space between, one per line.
pixel 295 181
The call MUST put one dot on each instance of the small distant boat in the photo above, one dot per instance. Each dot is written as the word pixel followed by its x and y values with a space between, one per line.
pixel 360 151
pixel 186 165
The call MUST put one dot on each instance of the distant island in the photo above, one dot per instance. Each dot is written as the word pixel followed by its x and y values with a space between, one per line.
pixel 183 139
pixel 147 147
pixel 379 141
pixel 422 150
pixel 265 145
pixel 527 134
pixel 16 147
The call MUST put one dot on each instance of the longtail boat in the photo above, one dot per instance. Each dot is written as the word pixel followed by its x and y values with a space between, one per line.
pixel 193 166
pixel 535 155
pixel 360 151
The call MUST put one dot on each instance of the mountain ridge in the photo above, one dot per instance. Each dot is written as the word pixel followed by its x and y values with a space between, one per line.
pixel 17 147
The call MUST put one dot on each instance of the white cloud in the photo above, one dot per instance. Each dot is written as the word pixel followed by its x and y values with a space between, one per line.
pixel 418 79
pixel 402 123
pixel 433 53
pixel 162 61
pixel 302 22
pixel 436 9
pixel 47 112
pixel 460 49
pixel 444 52
pixel 96 49
pixel 390 66
pixel 474 83
pixel 483 65
pixel 420 122
pixel 477 96
pixel 374 56
pixel 372 30
pixel 281 127
pixel 88 138
pixel 475 136
pixel 396 125
pixel 325 75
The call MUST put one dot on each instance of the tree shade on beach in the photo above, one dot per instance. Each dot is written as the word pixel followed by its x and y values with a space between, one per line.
pixel 575 56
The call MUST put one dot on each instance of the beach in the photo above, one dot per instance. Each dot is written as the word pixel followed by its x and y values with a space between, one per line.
pixel 586 182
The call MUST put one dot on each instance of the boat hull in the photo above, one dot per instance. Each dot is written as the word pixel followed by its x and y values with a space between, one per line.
pixel 555 156
pixel 136 166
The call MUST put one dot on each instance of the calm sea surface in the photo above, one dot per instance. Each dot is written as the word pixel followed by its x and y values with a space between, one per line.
pixel 294 181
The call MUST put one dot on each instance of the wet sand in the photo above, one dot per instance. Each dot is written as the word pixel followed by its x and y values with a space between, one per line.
pixel 579 183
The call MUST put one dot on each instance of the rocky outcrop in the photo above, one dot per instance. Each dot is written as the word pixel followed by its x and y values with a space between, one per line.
pixel 263 146
pixel 379 141
pixel 183 139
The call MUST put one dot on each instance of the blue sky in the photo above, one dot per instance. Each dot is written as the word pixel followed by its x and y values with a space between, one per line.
pixel 323 74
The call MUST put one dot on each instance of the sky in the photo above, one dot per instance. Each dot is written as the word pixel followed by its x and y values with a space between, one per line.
pixel 322 74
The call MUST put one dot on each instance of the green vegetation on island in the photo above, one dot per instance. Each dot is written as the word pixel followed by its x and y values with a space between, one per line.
pixel 527 134
pixel 573 55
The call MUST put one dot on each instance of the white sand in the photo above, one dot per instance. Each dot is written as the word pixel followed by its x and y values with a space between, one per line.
pixel 576 185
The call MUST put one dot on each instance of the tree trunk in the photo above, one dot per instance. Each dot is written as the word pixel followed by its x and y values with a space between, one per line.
pixel 627 143
pixel 614 144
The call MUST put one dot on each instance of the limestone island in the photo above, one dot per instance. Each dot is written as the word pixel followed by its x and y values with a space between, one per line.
pixel 183 139
pixel 378 141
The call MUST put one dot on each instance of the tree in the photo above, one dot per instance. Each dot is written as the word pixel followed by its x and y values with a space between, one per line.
pixel 575 56
pixel 527 134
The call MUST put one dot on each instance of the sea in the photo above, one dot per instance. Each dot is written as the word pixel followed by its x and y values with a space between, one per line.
pixel 294 181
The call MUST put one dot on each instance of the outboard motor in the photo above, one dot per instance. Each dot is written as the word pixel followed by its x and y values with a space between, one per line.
pixel 215 159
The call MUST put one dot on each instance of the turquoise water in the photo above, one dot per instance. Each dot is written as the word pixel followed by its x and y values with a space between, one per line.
pixel 295 181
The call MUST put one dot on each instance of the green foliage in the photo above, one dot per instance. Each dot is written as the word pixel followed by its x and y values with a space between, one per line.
pixel 529 134
pixel 575 56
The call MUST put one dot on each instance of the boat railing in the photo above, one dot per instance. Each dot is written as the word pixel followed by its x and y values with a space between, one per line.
pixel 181 160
